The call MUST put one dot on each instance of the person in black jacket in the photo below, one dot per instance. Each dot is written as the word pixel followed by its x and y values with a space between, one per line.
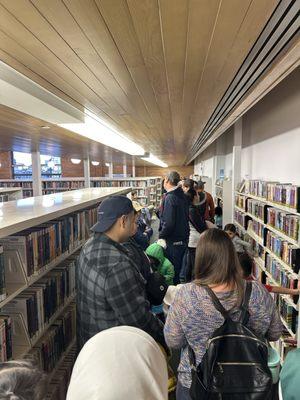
pixel 198 225
pixel 174 222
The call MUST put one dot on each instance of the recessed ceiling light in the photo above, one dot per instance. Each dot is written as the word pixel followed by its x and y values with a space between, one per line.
pixel 75 160
pixel 45 127
pixel 107 164
pixel 95 163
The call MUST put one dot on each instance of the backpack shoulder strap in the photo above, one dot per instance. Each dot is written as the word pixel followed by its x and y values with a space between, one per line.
pixel 245 305
pixel 216 302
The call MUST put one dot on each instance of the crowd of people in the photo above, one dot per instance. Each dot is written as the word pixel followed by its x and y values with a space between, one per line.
pixel 126 330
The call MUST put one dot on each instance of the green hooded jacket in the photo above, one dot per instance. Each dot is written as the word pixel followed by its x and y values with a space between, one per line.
pixel 165 267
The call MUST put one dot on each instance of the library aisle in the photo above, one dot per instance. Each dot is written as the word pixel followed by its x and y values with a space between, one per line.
pixel 186 115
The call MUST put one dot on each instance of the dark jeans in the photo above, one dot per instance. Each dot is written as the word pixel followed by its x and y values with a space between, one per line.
pixel 182 393
pixel 175 253
pixel 190 265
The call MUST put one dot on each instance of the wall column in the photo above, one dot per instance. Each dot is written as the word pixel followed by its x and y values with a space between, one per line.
pixel 87 172
pixel 36 174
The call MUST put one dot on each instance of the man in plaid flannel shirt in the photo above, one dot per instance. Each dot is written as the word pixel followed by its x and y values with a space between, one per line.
pixel 110 288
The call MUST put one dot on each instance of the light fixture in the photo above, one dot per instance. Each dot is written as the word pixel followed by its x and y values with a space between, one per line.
pixel 0 165
pixel 96 129
pixel 107 164
pixel 95 163
pixel 75 160
pixel 154 160
pixel 45 127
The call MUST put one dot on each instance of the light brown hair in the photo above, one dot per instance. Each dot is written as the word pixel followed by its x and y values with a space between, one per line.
pixel 217 263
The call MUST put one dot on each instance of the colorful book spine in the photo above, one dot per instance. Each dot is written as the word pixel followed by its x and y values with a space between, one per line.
pixel 2 275
pixel 289 224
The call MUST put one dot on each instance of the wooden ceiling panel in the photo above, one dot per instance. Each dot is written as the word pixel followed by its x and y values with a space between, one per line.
pixel 154 69
pixel 174 44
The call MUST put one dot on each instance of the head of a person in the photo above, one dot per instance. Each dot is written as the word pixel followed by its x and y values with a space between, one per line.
pixel 134 195
pixel 115 218
pixel 247 263
pixel 192 196
pixel 187 184
pixel 119 363
pixel 137 215
pixel 20 380
pixel 216 262
pixel 171 180
pixel 230 229
pixel 200 186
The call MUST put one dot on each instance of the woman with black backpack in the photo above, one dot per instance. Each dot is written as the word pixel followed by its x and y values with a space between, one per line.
pixel 221 324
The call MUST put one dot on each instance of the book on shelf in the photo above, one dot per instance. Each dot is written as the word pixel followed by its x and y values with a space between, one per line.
pixel 285 194
pixel 56 340
pixel 2 275
pixel 35 306
pixel 58 385
pixel 41 245
pixel 241 186
pixel 289 224
pixel 288 253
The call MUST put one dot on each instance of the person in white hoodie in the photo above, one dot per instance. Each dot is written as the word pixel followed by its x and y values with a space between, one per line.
pixel 120 363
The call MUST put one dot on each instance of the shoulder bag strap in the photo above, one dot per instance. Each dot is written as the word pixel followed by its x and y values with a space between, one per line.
pixel 216 302
pixel 245 305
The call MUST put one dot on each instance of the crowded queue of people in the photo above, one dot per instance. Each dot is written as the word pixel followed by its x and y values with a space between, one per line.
pixel 123 342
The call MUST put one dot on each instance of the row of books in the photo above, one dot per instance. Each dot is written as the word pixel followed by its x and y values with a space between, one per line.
pixel 122 183
pixel 4 198
pixel 255 208
pixel 40 245
pixel 240 217
pixel 284 194
pixel 37 304
pixel 58 385
pixel 256 227
pixel 55 342
pixel 287 223
pixel 2 276
pixel 63 185
pixel 288 313
pixel 287 252
pixel 279 274
pixel 5 338
pixel 240 201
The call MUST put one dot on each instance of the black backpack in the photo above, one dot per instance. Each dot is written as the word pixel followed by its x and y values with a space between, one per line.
pixel 235 364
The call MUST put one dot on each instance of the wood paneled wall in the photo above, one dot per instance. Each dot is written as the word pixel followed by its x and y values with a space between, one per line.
pixel 70 170
pixel 6 165
pixel 158 171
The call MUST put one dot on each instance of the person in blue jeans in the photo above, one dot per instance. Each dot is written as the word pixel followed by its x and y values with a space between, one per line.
pixel 174 222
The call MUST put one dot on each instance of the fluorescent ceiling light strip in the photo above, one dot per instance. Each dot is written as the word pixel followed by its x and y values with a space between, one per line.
pixel 154 160
pixel 95 129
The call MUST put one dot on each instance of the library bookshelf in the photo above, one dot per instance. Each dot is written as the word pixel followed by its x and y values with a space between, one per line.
pixel 268 213
pixel 40 240
pixel 10 193
pixel 149 189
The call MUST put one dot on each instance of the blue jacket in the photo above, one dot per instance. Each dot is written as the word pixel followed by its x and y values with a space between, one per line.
pixel 174 218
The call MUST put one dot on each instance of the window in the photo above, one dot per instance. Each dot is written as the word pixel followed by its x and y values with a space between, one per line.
pixel 22 166
pixel 51 167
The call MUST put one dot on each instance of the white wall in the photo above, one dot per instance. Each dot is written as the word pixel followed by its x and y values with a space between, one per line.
pixel 271 134
pixel 271 137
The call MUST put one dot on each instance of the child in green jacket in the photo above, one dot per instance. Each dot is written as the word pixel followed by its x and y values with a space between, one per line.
pixel 156 254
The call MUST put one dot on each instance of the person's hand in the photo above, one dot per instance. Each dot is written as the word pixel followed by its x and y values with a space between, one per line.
pixel 162 243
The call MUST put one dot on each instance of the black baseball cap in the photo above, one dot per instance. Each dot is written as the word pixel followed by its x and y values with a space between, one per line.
pixel 110 210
